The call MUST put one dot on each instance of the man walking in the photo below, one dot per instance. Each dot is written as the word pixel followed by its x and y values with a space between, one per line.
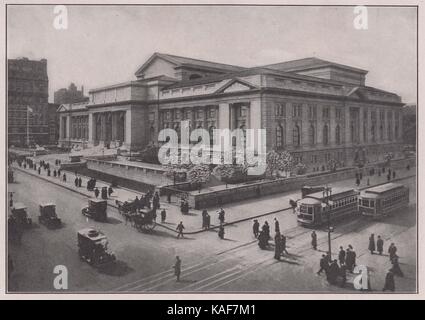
pixel 314 240
pixel 372 243
pixel 341 255
pixel 180 228
pixel 276 226
pixel 380 245
pixel 392 250
pixel 323 265
pixel 389 282
pixel 177 268
pixel 277 246
pixel 256 228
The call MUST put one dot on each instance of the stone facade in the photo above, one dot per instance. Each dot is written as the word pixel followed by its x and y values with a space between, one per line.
pixel 315 109
pixel 27 90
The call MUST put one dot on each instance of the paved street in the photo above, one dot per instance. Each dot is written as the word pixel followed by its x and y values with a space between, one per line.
pixel 209 264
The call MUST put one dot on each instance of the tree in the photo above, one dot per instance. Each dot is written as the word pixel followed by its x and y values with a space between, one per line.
pixel 230 173
pixel 300 168
pixel 199 174
pixel 332 164
pixel 388 157
pixel 176 171
pixel 279 161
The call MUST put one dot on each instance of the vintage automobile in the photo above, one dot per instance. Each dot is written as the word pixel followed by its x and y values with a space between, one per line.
pixel 48 216
pixel 19 214
pixel 96 210
pixel 93 247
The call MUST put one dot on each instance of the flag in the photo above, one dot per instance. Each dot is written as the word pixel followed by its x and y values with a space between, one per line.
pixel 29 109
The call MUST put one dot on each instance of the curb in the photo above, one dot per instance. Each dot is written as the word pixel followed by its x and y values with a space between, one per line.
pixel 200 230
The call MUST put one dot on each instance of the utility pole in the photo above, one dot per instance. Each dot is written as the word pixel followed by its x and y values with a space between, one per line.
pixel 327 192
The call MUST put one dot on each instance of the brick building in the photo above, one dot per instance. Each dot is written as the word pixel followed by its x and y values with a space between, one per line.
pixel 27 99
pixel 316 109
pixel 69 95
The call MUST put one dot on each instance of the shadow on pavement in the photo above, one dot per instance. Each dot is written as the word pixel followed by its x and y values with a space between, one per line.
pixel 117 269
pixel 113 221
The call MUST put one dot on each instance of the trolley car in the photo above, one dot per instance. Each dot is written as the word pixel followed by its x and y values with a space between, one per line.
pixel 314 208
pixel 379 201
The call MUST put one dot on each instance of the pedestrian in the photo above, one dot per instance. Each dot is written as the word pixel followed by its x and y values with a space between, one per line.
pixel 393 174
pixel 110 191
pixel 221 215
pixel 39 170
pixel 221 232
pixel 80 182
pixel 104 193
pixel 63 178
pixel 333 272
pixel 349 260
pixel 207 221
pixel 323 265
pixel 388 177
pixel 155 201
pixel 262 240
pixel 163 215
pixel 277 246
pixel 380 245
pixel 396 267
pixel 343 273
pixel 266 230
pixel 59 173
pixel 256 228
pixel 392 250
pixel 180 228
pixel 389 281
pixel 76 181
pixel 283 244
pixel 276 226
pixel 372 247
pixel 314 240
pixel 54 173
pixel 204 222
pixel 341 255
pixel 48 172
pixel 96 192
pixel 177 268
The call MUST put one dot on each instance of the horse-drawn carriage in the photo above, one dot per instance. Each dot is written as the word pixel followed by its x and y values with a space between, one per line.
pixel 141 219
pixel 96 210
pixel 48 216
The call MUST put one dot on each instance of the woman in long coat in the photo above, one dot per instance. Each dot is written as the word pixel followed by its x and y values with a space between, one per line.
pixel 372 247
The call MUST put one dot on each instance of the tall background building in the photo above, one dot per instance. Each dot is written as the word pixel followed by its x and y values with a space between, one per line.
pixel 28 85
pixel 70 95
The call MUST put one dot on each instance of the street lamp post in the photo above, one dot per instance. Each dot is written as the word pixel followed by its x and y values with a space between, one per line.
pixel 327 192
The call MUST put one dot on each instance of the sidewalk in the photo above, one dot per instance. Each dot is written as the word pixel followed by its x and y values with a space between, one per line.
pixel 237 212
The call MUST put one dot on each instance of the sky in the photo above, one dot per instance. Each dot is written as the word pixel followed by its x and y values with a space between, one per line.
pixel 105 45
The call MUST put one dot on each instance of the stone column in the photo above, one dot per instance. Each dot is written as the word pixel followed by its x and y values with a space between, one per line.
pixel 361 125
pixel 332 125
pixel 68 127
pixel 90 129
pixel 114 126
pixel 127 128
pixel 289 124
pixel 347 139
pixel 223 116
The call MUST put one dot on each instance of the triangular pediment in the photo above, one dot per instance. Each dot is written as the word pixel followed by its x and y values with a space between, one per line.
pixel 357 93
pixel 236 85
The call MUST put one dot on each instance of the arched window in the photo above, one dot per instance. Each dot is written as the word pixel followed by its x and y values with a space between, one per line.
pixel 338 134
pixel 296 137
pixel 279 136
pixel 312 135
pixel 325 134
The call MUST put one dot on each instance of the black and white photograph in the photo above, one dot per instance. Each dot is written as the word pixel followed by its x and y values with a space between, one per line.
pixel 211 149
